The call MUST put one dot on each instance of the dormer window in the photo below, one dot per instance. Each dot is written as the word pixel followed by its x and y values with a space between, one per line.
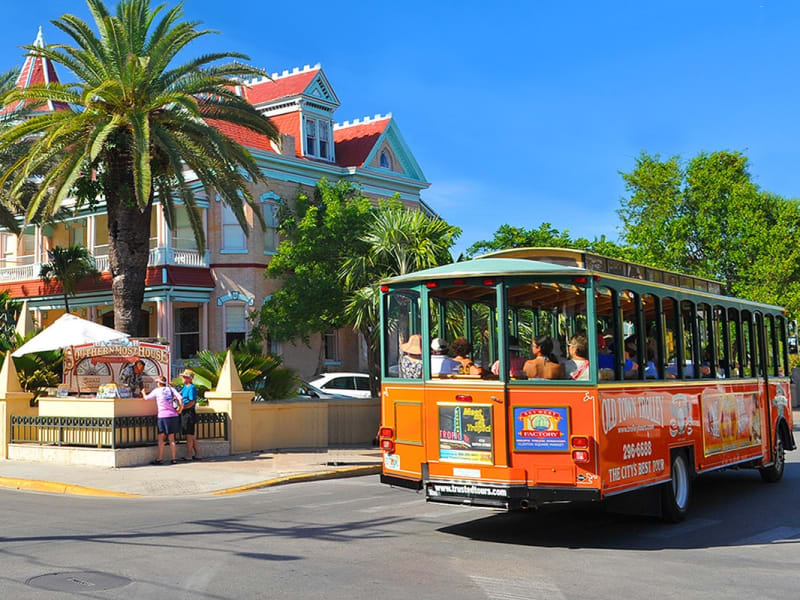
pixel 311 137
pixel 318 138
pixel 324 137
pixel 385 160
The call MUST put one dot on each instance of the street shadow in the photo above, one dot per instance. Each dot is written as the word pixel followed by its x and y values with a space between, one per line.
pixel 729 508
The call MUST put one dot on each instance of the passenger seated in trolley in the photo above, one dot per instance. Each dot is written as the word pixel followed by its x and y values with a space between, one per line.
pixel 631 368
pixel 544 364
pixel 577 367
pixel 462 349
pixel 516 363
pixel 441 364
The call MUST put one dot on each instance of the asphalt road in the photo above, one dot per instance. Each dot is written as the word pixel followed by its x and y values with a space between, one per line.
pixel 354 538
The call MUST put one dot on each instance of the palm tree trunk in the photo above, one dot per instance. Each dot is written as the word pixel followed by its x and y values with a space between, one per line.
pixel 66 302
pixel 128 246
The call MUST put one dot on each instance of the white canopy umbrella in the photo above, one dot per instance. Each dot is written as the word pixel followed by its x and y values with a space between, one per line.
pixel 69 330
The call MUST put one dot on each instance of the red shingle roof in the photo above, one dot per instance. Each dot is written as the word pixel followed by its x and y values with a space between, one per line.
pixel 242 135
pixel 355 142
pixel 287 85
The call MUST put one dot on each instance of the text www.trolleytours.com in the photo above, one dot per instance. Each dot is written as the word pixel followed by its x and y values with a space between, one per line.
pixel 467 490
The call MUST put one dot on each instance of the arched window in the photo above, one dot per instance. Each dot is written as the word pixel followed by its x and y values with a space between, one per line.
pixel 385 160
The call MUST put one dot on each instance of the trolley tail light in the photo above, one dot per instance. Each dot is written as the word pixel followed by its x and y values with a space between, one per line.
pixel 580 448
pixel 384 288
pixel 386 437
pixel 580 456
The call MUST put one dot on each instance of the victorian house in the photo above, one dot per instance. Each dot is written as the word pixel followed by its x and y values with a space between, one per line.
pixel 200 300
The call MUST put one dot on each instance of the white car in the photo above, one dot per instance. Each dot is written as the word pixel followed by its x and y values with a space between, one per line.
pixel 354 385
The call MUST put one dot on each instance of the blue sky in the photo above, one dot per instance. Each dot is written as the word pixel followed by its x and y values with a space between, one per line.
pixel 523 112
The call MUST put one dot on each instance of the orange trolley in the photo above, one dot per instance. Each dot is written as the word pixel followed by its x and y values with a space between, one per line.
pixel 569 376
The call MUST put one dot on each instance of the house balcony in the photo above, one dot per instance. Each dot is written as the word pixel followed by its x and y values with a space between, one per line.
pixel 26 268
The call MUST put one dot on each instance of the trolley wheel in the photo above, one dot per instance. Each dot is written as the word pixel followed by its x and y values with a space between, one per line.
pixel 774 472
pixel 675 494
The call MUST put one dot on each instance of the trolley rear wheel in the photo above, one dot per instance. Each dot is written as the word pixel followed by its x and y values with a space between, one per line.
pixel 676 493
pixel 774 472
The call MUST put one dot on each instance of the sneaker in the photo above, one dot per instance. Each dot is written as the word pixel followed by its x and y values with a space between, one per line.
pixel 174 462
pixel 155 462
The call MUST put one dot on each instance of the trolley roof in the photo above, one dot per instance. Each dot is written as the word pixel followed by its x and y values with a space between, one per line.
pixel 570 262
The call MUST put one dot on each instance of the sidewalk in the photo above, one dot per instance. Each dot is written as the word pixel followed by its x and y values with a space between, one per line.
pixel 230 474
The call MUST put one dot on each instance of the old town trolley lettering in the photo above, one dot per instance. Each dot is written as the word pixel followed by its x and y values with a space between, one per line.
pixel 640 469
pixel 632 413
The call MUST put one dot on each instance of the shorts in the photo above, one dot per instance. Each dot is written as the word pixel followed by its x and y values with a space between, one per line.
pixel 169 425
pixel 188 421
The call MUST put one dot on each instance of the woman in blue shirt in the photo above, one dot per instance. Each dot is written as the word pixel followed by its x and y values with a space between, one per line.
pixel 189 415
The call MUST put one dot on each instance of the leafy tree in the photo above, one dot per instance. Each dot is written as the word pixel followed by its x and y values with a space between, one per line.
pixel 398 241
pixel 138 123
pixel 318 233
pixel 510 236
pixel 261 374
pixel 705 216
pixel 68 266
pixel 547 236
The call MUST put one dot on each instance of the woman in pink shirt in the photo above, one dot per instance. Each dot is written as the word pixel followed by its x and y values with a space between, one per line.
pixel 168 421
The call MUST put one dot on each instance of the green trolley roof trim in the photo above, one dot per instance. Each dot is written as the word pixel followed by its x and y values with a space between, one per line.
pixel 570 262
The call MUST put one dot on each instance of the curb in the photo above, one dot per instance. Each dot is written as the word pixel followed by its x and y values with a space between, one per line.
pixel 54 487
pixel 315 476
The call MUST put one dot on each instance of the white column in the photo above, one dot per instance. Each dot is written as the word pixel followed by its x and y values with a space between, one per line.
pixel 91 313
pixel 38 251
pixel 204 326
pixel 161 319
pixel 91 228
pixel 169 322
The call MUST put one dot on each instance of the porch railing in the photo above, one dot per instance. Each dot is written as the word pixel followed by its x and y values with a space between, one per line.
pixel 157 257
pixel 106 432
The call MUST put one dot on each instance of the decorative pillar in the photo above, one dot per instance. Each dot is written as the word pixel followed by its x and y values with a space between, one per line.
pixel 204 308
pixel 91 233
pixel 13 401
pixel 229 397
pixel 38 250
pixel 91 313
pixel 25 325
pixel 161 318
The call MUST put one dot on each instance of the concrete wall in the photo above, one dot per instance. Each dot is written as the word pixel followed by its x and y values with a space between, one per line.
pixel 353 422
pixel 288 425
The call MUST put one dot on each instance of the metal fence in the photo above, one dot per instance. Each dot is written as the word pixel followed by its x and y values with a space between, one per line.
pixel 106 432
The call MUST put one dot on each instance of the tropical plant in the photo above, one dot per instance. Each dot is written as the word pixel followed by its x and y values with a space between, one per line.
pixel 258 373
pixel 36 371
pixel 9 312
pixel 139 124
pixel 398 241
pixel 68 266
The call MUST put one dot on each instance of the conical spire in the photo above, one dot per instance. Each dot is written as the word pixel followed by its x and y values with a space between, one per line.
pixel 9 382
pixel 25 324
pixel 37 70
pixel 229 377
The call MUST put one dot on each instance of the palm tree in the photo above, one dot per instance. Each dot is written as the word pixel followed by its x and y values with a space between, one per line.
pixel 137 127
pixel 400 241
pixel 68 266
